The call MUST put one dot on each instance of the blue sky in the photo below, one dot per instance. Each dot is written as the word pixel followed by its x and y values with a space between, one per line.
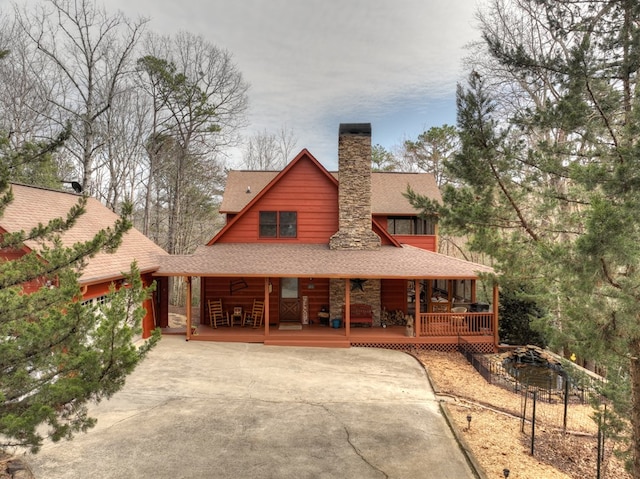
pixel 313 64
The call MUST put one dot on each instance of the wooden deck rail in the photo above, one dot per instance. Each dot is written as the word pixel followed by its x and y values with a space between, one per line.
pixel 451 324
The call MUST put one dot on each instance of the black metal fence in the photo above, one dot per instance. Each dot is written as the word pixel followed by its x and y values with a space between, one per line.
pixel 564 391
pixel 554 408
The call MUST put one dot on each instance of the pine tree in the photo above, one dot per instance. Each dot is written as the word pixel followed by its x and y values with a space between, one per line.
pixel 57 353
pixel 553 184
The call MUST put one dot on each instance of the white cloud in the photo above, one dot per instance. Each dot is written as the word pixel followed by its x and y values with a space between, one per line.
pixel 315 63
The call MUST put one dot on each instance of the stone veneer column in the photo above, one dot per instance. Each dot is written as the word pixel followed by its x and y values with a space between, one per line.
pixel 354 190
pixel 370 295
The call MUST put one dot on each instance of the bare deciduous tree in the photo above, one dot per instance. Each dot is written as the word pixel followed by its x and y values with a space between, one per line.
pixel 269 151
pixel 23 97
pixel 88 52
pixel 199 100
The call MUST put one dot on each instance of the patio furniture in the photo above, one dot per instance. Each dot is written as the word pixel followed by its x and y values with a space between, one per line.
pixel 440 307
pixel 359 314
pixel 237 316
pixel 217 316
pixel 323 318
pixel 458 322
pixel 255 316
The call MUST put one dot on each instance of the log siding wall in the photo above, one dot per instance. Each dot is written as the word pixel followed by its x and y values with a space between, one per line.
pixel 304 190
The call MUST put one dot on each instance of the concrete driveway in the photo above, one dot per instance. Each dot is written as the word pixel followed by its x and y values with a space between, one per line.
pixel 227 410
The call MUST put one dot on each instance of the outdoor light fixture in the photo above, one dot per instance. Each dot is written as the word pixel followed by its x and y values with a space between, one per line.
pixel 469 422
pixel 505 472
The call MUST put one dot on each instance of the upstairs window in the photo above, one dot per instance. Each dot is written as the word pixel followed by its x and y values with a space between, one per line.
pixel 288 224
pixel 411 225
pixel 278 224
pixel 268 224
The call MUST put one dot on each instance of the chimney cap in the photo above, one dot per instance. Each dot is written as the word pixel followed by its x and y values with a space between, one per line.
pixel 355 129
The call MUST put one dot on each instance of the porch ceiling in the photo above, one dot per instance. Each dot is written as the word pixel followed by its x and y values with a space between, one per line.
pixel 316 261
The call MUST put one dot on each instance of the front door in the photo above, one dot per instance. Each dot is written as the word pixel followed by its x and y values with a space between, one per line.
pixel 289 300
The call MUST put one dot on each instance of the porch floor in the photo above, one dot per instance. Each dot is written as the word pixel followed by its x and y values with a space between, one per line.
pixel 324 336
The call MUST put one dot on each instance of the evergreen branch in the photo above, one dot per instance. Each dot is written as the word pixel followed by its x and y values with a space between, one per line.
pixel 608 276
pixel 604 118
pixel 523 222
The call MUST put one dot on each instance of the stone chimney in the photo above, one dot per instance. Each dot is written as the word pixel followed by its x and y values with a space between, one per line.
pixel 354 190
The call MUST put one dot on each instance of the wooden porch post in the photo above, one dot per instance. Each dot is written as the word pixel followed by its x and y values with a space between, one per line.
pixel 187 280
pixel 496 299
pixel 416 321
pixel 203 301
pixel 266 307
pixel 347 307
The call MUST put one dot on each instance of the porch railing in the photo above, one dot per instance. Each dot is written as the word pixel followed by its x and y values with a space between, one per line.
pixel 454 324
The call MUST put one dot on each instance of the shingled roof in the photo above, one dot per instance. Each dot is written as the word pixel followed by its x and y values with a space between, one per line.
pixel 317 260
pixel 386 190
pixel 33 205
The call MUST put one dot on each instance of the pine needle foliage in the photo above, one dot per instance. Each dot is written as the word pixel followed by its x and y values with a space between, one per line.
pixel 550 168
pixel 59 354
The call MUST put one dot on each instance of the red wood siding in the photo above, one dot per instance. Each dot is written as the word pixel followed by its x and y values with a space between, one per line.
pixel 393 294
pixel 151 318
pixel 304 189
pixel 220 288
pixel 427 242
pixel 384 240
pixel 94 291
pixel 214 288
pixel 317 290
pixel 8 254
pixel 161 297
pixel 11 254
pixel 382 220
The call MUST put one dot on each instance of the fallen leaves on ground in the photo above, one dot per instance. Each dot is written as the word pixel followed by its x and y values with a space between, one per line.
pixel 496 439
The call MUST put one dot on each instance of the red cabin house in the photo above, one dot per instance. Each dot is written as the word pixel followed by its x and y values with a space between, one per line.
pixel 310 257
pixel 33 205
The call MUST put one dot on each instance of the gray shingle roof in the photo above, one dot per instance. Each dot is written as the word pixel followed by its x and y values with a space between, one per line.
pixel 386 190
pixel 32 205
pixel 317 260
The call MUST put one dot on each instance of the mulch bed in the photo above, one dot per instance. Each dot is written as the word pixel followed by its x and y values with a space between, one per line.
pixel 495 438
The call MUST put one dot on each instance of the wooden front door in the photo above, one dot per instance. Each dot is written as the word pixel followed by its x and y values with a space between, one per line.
pixel 289 300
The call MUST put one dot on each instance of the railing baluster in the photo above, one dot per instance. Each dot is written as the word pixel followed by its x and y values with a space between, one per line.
pixel 449 324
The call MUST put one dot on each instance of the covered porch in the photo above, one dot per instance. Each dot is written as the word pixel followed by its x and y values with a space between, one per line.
pixel 330 284
pixel 446 338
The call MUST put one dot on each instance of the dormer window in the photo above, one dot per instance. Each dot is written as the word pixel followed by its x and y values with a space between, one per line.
pixel 278 224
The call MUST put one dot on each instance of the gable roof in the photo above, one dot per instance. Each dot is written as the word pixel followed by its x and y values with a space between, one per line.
pixel 266 180
pixel 386 190
pixel 32 205
pixel 252 197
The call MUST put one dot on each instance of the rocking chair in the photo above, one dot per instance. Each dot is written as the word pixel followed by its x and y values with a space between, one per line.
pixel 255 316
pixel 217 316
